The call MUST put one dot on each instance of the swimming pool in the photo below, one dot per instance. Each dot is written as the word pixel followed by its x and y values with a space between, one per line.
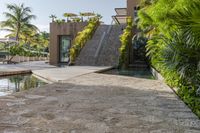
pixel 17 83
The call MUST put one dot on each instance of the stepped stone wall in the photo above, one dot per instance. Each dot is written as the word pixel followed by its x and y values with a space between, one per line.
pixel 103 48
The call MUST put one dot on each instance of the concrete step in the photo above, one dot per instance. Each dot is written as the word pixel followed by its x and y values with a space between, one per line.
pixel 138 66
pixel 139 62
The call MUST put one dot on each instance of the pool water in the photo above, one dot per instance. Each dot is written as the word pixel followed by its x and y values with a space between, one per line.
pixel 17 83
pixel 139 73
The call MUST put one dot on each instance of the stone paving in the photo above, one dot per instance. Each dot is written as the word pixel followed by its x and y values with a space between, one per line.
pixel 48 72
pixel 97 103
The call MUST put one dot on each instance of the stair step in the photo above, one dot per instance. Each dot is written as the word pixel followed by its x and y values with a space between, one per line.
pixel 138 65
pixel 139 62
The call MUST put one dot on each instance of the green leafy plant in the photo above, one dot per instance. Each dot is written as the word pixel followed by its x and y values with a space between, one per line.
pixel 125 39
pixel 69 16
pixel 139 42
pixel 76 19
pixel 87 14
pixel 173 31
pixel 21 50
pixel 53 17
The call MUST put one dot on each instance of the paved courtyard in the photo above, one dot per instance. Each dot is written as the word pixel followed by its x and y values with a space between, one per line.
pixel 97 103
pixel 62 74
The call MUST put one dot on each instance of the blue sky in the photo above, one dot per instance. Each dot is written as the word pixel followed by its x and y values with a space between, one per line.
pixel 44 8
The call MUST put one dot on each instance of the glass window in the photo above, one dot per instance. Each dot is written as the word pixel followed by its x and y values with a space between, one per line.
pixel 65 44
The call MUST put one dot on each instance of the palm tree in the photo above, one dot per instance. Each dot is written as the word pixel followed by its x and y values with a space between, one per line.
pixel 18 17
pixel 43 40
pixel 53 17
pixel 188 20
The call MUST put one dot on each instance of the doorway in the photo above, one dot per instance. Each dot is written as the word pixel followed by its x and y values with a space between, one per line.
pixel 64 44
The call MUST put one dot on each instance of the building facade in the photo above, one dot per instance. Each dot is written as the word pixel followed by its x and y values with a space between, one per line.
pixel 129 11
pixel 132 7
pixel 63 34
pixel 61 38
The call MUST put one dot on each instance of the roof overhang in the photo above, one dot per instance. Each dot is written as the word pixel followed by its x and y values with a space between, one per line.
pixel 121 16
pixel 120 19
pixel 121 11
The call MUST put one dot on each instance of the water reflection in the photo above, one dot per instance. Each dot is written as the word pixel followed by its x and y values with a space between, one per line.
pixel 139 73
pixel 18 83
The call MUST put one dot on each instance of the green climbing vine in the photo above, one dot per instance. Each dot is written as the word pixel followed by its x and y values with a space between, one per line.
pixel 83 37
pixel 125 39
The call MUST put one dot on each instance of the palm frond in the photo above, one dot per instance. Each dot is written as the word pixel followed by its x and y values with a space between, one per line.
pixel 18 18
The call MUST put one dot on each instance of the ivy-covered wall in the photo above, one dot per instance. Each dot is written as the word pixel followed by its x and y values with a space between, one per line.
pixel 83 37
pixel 126 42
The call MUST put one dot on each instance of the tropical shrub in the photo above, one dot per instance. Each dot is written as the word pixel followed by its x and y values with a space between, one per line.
pixel 86 14
pixel 82 37
pixel 69 15
pixel 125 39
pixel 139 43
pixel 23 51
pixel 173 31
pixel 53 17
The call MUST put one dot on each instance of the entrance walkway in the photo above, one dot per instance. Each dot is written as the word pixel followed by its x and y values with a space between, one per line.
pixel 97 103
pixel 48 72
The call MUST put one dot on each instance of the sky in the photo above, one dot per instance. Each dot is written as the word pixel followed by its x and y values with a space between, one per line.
pixel 44 8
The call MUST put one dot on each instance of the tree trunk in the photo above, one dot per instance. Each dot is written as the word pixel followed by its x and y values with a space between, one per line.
pixel 17 34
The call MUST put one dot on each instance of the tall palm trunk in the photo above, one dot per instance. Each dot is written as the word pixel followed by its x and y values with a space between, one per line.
pixel 17 33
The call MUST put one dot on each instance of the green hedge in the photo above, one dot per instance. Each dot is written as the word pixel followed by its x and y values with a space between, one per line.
pixel 125 40
pixel 83 37
pixel 173 30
